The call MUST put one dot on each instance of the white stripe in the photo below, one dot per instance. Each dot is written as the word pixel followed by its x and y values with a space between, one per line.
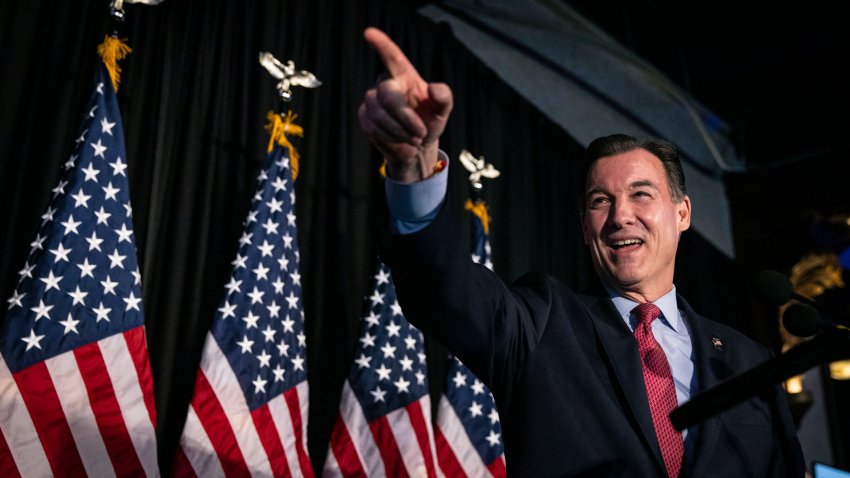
pixel 452 429
pixel 229 392
pixel 128 392
pixel 360 433
pixel 74 399
pixel 18 429
pixel 405 436
pixel 283 423
pixel 425 402
pixel 304 404
pixel 331 469
pixel 198 448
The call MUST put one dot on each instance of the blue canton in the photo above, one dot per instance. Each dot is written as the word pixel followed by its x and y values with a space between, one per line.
pixel 81 280
pixel 390 371
pixel 260 323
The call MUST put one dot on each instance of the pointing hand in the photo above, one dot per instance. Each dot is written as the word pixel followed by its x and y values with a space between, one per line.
pixel 403 115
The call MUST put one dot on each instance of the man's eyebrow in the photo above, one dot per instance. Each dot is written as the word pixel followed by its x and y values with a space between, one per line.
pixel 643 183
pixel 634 185
pixel 593 191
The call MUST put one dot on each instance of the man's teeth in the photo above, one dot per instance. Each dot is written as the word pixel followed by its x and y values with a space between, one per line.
pixel 627 242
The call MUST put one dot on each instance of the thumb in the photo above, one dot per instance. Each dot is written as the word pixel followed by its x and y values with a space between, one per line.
pixel 440 96
pixel 436 109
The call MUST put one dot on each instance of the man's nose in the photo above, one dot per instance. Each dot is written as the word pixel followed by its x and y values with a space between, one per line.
pixel 620 214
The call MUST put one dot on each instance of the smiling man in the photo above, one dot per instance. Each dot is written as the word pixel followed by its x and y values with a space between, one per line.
pixel 584 381
pixel 635 208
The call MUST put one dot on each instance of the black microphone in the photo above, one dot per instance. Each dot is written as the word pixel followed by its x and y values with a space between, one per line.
pixel 776 289
pixel 804 321
pixel 773 287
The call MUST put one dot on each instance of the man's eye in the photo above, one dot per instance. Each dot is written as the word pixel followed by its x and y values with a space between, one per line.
pixel 598 202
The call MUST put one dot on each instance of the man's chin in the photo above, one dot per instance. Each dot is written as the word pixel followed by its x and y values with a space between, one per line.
pixel 624 282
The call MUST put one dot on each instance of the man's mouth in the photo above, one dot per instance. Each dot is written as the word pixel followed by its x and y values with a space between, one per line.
pixel 625 243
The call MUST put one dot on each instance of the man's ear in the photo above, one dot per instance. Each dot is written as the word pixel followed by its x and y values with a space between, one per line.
pixel 683 211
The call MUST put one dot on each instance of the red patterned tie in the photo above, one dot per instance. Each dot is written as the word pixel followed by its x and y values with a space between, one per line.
pixel 659 388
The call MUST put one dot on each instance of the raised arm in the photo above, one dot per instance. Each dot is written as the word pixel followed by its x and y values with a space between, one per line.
pixel 403 115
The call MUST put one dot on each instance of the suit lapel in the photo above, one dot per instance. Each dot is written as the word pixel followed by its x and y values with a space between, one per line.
pixel 709 350
pixel 621 348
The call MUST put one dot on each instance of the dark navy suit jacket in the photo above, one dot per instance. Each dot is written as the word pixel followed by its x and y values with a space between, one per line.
pixel 565 371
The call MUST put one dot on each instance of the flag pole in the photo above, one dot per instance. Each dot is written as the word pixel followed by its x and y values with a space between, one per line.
pixel 113 48
pixel 478 169
pixel 116 16
pixel 282 124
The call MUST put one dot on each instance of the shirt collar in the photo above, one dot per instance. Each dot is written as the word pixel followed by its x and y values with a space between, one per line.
pixel 667 303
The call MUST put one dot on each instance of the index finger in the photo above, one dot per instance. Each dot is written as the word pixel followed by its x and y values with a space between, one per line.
pixel 393 58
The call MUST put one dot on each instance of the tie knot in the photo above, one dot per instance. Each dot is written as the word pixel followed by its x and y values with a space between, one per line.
pixel 647 312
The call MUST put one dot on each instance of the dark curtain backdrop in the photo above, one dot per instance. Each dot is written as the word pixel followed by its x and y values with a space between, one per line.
pixel 194 100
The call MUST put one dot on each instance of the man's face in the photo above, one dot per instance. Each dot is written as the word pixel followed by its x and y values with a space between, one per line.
pixel 632 225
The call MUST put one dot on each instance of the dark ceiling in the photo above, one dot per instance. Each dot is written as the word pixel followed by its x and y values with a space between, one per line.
pixel 777 76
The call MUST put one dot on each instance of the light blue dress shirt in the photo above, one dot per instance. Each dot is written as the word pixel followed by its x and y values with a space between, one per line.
pixel 671 333
pixel 413 206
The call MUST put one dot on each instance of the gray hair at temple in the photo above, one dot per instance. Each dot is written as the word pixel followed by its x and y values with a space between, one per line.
pixel 623 143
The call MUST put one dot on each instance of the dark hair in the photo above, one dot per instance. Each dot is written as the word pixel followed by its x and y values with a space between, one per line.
pixel 623 143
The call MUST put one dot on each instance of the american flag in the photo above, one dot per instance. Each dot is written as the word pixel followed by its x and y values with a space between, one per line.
pixel 468 431
pixel 248 415
pixel 384 423
pixel 76 393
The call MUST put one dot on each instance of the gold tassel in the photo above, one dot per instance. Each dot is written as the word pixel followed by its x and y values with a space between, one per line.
pixel 111 50
pixel 479 208
pixel 278 128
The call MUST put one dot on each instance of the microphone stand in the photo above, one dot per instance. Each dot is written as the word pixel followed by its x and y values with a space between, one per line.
pixel 828 346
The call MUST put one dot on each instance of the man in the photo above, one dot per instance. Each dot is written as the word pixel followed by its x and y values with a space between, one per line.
pixel 585 381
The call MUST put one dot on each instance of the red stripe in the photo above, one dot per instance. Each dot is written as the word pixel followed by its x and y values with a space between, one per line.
pixel 7 461
pixel 271 441
pixel 343 450
pixel 137 345
pixel 497 467
pixel 217 428
pixel 420 428
pixel 446 456
pixel 181 467
pixel 294 405
pixel 44 408
pixel 107 412
pixel 390 455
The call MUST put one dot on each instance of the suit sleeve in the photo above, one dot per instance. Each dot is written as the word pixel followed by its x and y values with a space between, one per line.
pixel 466 307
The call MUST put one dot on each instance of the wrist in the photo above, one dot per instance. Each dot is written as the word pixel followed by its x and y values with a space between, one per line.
pixel 423 165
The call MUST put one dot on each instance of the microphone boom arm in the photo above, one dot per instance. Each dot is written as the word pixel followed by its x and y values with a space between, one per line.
pixel 823 348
